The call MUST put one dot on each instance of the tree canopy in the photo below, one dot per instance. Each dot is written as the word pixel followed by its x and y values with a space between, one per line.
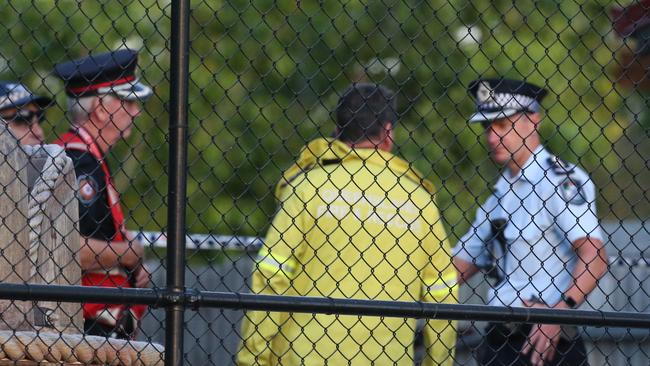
pixel 266 76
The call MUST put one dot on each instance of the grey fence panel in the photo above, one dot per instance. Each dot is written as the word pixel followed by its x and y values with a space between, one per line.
pixel 211 334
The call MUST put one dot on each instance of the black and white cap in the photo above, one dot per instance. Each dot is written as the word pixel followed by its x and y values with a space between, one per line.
pixel 16 95
pixel 105 73
pixel 499 98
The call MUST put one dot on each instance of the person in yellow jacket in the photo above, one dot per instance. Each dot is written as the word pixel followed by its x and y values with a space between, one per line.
pixel 355 221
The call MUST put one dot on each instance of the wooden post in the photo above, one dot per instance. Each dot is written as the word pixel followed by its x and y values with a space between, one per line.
pixel 14 230
pixel 39 242
pixel 57 240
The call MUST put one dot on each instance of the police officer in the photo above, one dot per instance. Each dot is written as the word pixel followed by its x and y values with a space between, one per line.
pixel 537 233
pixel 23 112
pixel 104 98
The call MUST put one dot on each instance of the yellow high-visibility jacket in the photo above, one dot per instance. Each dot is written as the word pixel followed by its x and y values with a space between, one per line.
pixel 353 223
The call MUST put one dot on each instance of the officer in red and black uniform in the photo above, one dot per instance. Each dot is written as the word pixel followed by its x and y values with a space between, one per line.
pixel 104 98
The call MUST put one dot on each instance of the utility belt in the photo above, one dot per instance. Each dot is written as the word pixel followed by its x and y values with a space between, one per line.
pixel 502 332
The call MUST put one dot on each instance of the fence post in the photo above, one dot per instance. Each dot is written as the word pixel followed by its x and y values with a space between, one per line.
pixel 14 232
pixel 177 181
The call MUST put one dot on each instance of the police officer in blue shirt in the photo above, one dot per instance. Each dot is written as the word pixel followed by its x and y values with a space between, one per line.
pixel 538 233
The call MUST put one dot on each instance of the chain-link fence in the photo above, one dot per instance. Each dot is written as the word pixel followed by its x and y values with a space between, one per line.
pixel 299 183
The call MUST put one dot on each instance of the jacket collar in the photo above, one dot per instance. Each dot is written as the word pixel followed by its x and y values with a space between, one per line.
pixel 322 151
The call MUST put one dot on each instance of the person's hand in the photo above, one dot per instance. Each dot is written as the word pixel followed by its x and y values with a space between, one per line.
pixel 133 252
pixel 142 276
pixel 542 340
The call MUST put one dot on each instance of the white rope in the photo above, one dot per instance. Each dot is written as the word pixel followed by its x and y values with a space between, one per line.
pixel 56 164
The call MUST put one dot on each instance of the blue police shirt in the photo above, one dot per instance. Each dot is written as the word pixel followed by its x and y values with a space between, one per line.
pixel 541 211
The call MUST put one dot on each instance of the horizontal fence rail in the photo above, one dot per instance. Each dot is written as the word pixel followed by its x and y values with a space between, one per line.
pixel 300 304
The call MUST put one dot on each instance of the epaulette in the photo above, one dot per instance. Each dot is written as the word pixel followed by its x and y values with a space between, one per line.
pixel 571 187
pixel 307 168
pixel 559 166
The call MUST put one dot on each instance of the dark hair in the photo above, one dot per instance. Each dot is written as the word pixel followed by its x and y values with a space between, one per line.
pixel 363 111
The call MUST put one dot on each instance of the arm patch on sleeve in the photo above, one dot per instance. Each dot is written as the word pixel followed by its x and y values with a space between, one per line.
pixel 88 189
pixel 572 191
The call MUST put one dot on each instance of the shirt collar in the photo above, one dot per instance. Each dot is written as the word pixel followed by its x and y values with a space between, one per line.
pixel 533 171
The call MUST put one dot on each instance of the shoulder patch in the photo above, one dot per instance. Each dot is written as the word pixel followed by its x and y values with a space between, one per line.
pixel 88 189
pixel 559 166
pixel 572 191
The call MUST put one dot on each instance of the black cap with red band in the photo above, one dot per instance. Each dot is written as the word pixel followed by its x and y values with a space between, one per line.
pixel 106 73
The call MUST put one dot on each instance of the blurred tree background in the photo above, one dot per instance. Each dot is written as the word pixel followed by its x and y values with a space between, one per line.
pixel 266 75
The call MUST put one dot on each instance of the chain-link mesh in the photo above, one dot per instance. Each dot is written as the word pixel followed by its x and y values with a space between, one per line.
pixel 419 154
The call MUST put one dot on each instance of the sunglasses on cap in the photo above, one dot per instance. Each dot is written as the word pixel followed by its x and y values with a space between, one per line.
pixel 25 116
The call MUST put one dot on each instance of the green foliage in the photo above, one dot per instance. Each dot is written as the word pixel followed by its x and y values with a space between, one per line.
pixel 266 76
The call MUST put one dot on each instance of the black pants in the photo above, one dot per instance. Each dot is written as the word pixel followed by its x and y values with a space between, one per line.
pixel 502 347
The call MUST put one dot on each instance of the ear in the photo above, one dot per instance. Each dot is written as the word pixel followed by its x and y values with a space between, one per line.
pixel 98 113
pixel 388 129
pixel 388 138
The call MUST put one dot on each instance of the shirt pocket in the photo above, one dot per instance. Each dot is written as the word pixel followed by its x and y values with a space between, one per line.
pixel 525 219
pixel 529 222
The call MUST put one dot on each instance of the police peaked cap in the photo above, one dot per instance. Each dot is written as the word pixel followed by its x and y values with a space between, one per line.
pixel 105 73
pixel 499 98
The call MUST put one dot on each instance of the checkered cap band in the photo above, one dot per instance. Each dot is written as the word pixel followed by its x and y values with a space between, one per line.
pixel 500 101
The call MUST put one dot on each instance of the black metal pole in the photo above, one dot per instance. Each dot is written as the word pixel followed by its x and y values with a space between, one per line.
pixel 319 305
pixel 76 294
pixel 178 100
pixel 402 309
